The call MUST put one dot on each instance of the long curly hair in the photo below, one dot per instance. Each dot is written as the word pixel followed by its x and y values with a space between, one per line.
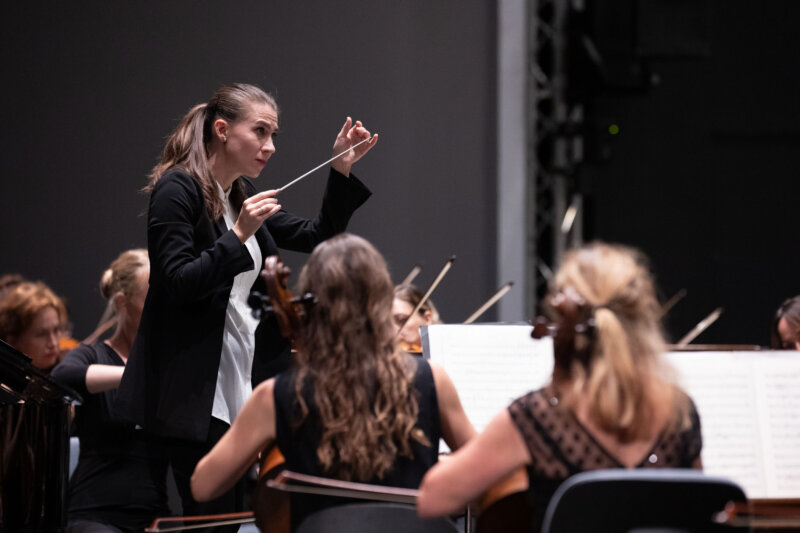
pixel 361 383
pixel 624 376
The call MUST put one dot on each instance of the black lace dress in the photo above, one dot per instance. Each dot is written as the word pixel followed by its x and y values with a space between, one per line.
pixel 560 446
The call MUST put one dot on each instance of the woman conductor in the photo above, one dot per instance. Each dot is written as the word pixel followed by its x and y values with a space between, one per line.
pixel 198 349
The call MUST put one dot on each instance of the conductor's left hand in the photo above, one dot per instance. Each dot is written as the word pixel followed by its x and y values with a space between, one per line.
pixel 350 135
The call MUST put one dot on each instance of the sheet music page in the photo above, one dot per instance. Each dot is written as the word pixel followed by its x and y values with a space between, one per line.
pixel 724 392
pixel 490 364
pixel 749 406
pixel 779 376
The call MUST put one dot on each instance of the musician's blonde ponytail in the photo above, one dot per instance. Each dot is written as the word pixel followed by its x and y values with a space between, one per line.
pixel 622 381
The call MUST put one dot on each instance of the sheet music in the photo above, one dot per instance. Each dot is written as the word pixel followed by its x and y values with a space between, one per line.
pixel 749 405
pixel 780 381
pixel 748 401
pixel 489 364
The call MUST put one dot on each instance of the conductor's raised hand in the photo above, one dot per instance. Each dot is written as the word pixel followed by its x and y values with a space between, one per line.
pixel 350 135
pixel 255 210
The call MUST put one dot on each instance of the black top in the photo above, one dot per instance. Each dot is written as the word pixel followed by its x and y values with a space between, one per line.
pixel 560 446
pixel 169 381
pixel 298 444
pixel 121 475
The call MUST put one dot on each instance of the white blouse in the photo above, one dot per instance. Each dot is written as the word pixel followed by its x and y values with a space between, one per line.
pixel 238 340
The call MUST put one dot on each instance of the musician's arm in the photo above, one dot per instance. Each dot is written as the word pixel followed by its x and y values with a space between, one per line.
pixel 238 449
pixel 483 461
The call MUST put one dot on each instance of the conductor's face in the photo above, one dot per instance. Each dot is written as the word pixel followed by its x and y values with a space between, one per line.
pixel 250 140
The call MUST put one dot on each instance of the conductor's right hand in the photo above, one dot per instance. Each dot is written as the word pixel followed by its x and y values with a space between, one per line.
pixel 255 210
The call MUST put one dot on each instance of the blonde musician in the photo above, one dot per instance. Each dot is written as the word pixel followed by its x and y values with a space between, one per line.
pixel 609 404
pixel 119 483
pixel 354 407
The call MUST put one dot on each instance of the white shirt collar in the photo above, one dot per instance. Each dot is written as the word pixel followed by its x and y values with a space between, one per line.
pixel 223 195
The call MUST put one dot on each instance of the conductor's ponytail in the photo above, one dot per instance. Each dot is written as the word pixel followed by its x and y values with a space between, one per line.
pixel 187 146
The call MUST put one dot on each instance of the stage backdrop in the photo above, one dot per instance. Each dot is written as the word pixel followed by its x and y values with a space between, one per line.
pixel 92 89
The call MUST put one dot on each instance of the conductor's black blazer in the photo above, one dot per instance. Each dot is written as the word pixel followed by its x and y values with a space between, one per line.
pixel 171 374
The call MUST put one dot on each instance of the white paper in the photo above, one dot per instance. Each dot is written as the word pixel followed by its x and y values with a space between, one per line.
pixel 490 365
pixel 749 401
pixel 749 406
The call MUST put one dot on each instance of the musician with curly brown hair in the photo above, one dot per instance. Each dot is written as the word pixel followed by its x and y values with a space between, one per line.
pixel 353 407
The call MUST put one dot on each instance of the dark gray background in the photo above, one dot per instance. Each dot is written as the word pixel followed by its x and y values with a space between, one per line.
pixel 702 175
pixel 91 90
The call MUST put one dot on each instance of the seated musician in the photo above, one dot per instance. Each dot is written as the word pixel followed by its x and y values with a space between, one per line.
pixel 353 406
pixel 119 483
pixel 33 320
pixel 786 327
pixel 406 299
pixel 608 404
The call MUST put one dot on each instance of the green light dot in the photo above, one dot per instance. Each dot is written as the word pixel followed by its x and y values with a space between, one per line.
pixel 613 129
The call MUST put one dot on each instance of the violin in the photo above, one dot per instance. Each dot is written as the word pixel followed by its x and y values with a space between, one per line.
pixel 271 510
pixel 573 330
pixel 412 348
pixel 506 506
pixel 271 507
pixel 288 310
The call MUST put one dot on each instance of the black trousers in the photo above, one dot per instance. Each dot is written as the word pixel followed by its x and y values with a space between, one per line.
pixel 184 456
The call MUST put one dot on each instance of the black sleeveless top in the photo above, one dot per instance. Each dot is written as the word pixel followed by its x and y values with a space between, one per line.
pixel 299 444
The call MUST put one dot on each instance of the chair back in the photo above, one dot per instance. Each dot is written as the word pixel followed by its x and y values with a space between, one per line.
pixel 675 500
pixel 373 517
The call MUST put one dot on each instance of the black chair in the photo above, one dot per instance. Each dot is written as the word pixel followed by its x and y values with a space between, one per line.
pixel 373 518
pixel 610 501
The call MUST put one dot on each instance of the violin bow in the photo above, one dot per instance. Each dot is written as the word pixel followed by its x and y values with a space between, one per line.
pixel 677 297
pixel 412 275
pixel 307 484
pixel 699 328
pixel 246 517
pixel 427 295
pixel 490 302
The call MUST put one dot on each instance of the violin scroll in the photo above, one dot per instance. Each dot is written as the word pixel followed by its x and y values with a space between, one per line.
pixel 574 327
pixel 288 310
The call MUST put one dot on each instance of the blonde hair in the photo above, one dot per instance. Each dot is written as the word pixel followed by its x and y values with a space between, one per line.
pixel 623 377
pixel 121 275
pixel 21 303
pixel 363 386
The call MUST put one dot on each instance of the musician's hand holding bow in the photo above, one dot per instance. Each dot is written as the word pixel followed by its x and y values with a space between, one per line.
pixel 350 135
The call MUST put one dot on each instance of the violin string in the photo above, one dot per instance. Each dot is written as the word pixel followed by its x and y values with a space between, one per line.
pixel 322 165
